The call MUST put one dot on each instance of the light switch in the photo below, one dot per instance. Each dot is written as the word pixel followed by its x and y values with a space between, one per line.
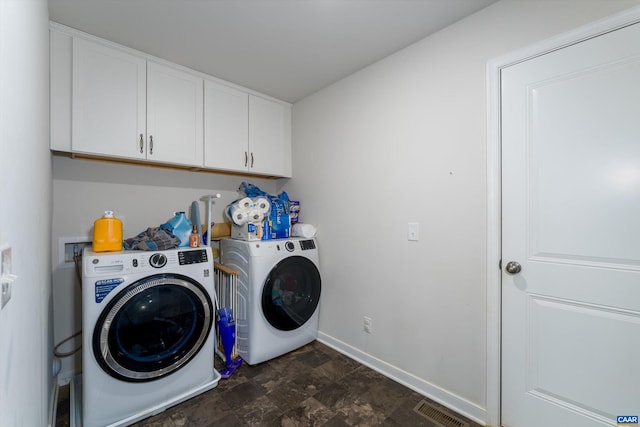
pixel 414 231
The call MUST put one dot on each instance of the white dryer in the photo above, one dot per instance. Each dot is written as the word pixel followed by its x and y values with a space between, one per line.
pixel 148 335
pixel 278 295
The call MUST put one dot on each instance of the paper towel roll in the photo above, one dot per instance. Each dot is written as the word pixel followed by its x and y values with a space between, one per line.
pixel 238 215
pixel 255 216
pixel 262 205
pixel 245 203
pixel 303 230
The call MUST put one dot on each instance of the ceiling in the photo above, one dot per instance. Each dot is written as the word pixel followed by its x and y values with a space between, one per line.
pixel 284 48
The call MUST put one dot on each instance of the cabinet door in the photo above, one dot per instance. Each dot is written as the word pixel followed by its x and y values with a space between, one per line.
pixel 269 137
pixel 108 101
pixel 174 116
pixel 226 132
pixel 60 64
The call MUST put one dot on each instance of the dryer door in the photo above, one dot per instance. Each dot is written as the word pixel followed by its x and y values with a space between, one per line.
pixel 291 293
pixel 152 327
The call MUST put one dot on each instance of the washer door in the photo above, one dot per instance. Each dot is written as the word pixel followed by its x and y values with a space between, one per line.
pixel 153 327
pixel 291 293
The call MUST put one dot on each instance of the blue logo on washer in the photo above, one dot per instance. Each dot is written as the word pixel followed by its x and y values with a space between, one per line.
pixel 103 287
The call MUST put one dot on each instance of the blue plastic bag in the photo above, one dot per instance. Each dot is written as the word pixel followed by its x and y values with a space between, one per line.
pixel 180 226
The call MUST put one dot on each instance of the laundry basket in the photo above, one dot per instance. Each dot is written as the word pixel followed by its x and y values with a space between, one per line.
pixel 226 284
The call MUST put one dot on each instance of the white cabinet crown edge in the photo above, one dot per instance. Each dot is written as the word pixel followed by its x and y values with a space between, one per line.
pixel 72 32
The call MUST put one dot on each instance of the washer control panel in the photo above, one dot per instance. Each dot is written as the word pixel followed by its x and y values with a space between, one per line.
pixel 158 260
pixel 192 257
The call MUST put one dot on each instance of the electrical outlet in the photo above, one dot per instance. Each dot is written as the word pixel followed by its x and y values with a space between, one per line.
pixel 414 231
pixel 6 293
pixel 368 324
pixel 6 278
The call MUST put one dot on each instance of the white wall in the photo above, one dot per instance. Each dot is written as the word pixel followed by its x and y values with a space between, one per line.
pixel 141 196
pixel 404 140
pixel 25 212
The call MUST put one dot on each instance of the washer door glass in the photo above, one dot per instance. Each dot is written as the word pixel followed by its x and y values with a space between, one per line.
pixel 291 293
pixel 152 327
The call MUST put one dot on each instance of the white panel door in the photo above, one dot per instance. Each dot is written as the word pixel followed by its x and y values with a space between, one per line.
pixel 108 101
pixel 269 137
pixel 571 219
pixel 174 116
pixel 226 128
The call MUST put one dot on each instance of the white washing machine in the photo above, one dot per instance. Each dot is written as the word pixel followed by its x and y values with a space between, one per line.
pixel 148 335
pixel 278 295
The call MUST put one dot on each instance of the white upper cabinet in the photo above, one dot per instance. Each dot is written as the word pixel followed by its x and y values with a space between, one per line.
pixel 269 137
pixel 246 133
pixel 108 101
pixel 60 90
pixel 226 127
pixel 174 116
pixel 123 106
pixel 113 102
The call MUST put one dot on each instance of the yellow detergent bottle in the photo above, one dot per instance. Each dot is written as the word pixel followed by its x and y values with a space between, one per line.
pixel 107 233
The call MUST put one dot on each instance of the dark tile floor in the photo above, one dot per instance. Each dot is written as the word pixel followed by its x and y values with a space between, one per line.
pixel 312 386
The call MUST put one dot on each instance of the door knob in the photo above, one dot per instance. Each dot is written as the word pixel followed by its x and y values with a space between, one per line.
pixel 513 267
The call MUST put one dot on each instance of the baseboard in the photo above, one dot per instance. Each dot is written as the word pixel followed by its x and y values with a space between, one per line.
pixel 425 388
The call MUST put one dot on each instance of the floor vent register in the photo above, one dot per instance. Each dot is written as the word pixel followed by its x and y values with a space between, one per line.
pixel 437 416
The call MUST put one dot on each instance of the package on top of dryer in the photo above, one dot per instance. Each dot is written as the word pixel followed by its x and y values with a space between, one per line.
pixel 148 340
pixel 265 230
pixel 259 215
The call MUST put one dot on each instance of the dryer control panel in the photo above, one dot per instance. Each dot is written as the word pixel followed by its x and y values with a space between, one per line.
pixel 307 244
pixel 304 245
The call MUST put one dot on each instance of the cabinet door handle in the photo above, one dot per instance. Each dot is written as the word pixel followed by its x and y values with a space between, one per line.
pixel 252 159
pixel 150 144
pixel 141 143
pixel 246 159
